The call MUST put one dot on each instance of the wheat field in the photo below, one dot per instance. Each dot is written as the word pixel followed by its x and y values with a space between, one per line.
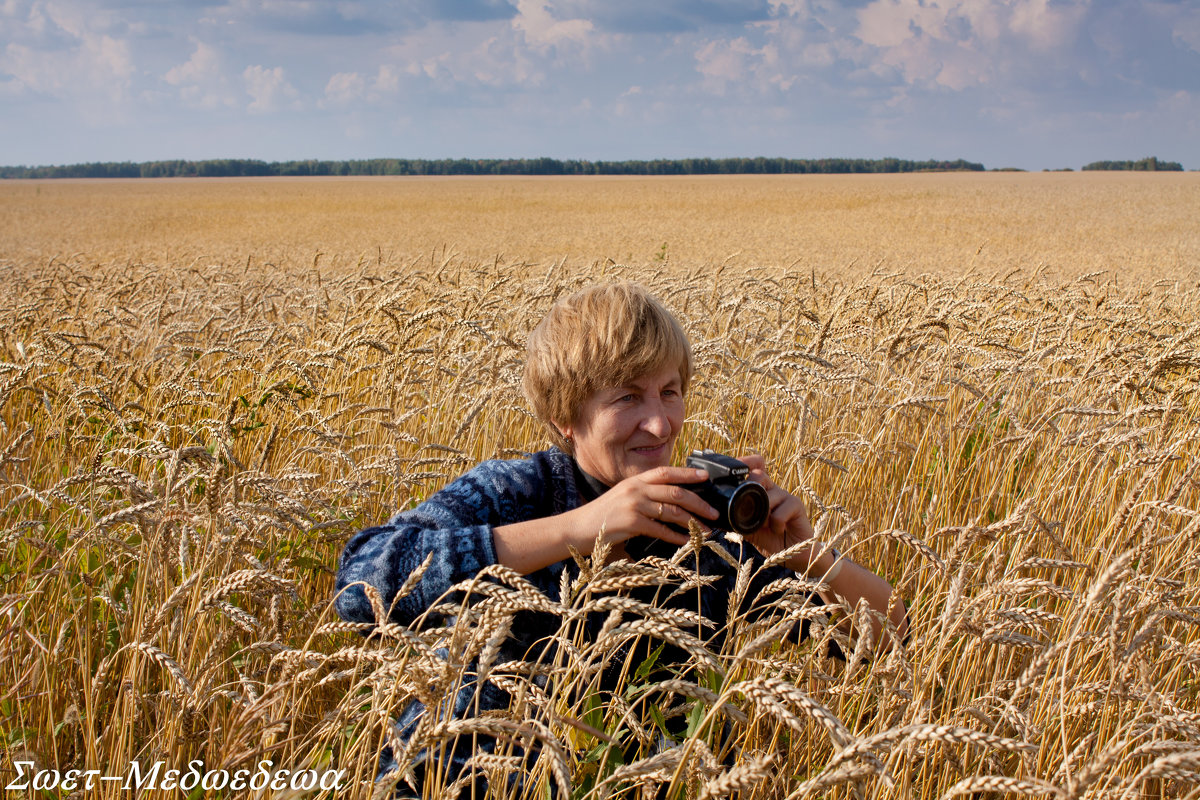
pixel 206 388
pixel 1135 224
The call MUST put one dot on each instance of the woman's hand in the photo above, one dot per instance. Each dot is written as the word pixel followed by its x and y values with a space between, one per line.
pixel 787 524
pixel 644 505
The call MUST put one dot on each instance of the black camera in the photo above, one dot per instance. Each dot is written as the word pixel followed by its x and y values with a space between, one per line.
pixel 742 503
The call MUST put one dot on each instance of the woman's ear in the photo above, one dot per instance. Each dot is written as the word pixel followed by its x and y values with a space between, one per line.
pixel 567 431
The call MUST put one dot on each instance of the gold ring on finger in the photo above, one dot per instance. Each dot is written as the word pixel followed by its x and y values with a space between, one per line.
pixel 660 510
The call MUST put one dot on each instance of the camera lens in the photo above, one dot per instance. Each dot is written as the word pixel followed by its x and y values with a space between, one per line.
pixel 749 507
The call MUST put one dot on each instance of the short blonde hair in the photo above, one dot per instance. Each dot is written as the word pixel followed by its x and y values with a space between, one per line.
pixel 599 337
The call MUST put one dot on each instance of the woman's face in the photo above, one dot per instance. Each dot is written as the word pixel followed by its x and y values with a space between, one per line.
pixel 623 431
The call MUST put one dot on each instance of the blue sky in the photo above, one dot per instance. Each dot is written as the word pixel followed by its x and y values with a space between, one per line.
pixel 1026 83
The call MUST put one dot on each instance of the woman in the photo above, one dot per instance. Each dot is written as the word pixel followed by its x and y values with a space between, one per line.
pixel 607 372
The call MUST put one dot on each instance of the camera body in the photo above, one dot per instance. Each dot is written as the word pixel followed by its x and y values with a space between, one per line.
pixel 742 503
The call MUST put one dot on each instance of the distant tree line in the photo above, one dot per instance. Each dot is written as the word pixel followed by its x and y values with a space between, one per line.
pixel 237 167
pixel 1150 164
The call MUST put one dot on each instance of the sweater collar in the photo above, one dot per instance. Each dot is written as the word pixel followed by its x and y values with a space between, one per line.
pixel 589 486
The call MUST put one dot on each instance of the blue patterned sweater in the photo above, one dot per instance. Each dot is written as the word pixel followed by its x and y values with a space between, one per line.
pixel 455 526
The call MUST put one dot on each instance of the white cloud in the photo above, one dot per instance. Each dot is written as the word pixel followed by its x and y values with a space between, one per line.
pixel 268 88
pixel 723 62
pixel 345 87
pixel 203 65
pixel 891 23
pixel 930 44
pixel 57 51
pixel 448 57
pixel 956 44
pixel 35 71
pixel 543 31
pixel 501 61
pixel 924 43
pixel 737 62
pixel 201 80
pixel 355 88
pixel 1046 27
pixel 65 19
pixel 110 55
pixel 387 80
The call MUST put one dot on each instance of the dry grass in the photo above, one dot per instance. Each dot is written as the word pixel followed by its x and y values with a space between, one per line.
pixel 184 448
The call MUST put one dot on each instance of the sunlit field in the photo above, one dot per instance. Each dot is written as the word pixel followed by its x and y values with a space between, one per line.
pixel 986 387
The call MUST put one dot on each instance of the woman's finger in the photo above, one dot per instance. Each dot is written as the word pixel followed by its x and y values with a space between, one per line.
pixel 670 475
pixel 782 509
pixel 758 472
pixel 657 519
pixel 754 461
pixel 661 531
pixel 671 514
pixel 790 510
pixel 688 501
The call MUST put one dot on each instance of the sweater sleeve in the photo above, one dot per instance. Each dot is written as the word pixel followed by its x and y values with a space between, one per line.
pixel 453 527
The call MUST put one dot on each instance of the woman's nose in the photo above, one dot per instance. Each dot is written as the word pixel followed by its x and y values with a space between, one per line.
pixel 656 420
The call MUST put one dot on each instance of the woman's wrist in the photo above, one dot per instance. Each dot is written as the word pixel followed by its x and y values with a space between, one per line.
pixel 819 561
pixel 532 544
